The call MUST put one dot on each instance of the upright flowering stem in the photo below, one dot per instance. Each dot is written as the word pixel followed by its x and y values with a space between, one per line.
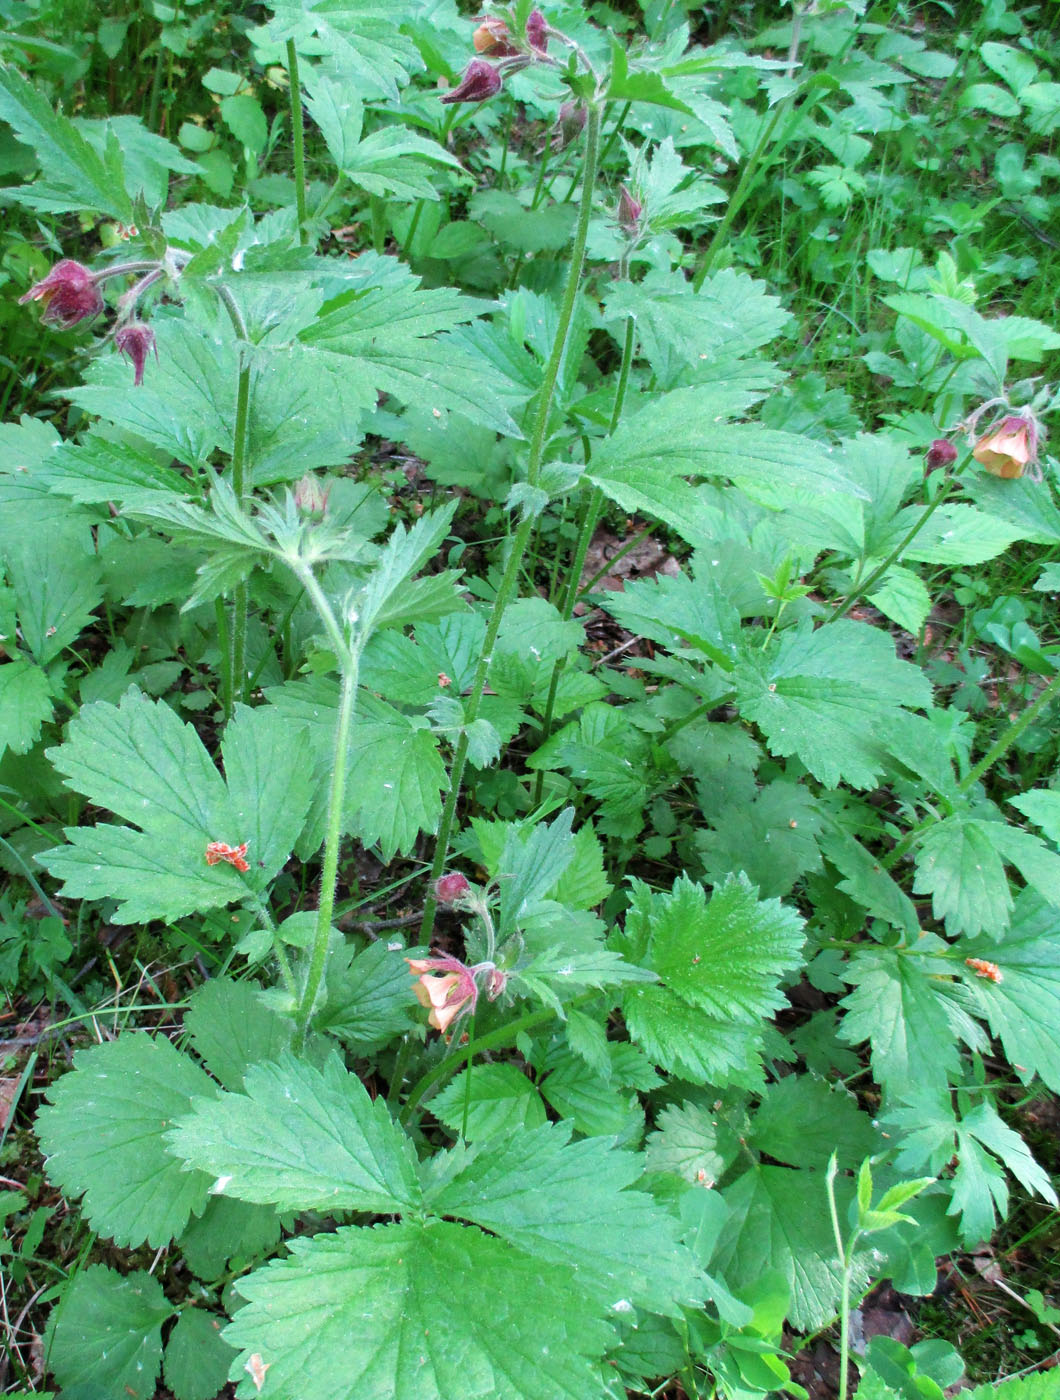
pixel 526 526
pixel 297 139
pixel 349 660
pixel 861 590
pixel 581 548
pixel 237 648
pixel 234 681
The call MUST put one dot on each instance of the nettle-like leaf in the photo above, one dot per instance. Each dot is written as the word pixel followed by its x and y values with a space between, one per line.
pixel 75 175
pixel 301 1139
pixel 110 1338
pixel 901 1007
pixel 141 762
pixel 197 1359
pixel 961 862
pixel 101 1135
pixel 568 1243
pixel 979 1146
pixel 1023 1008
pixel 25 704
pixel 781 1215
pixel 720 963
pixel 826 696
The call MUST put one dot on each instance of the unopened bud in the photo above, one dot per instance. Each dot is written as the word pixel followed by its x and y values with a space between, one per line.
pixel 136 341
pixel 493 37
pixel 537 31
pixel 940 454
pixel 311 496
pixel 69 294
pixel 496 983
pixel 480 81
pixel 629 212
pixel 570 123
pixel 448 889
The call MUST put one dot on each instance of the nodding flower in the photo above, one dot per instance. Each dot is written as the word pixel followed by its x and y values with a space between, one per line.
pixel 940 454
pixel 1010 448
pixel 448 987
pixel 136 341
pixel 480 81
pixel 69 293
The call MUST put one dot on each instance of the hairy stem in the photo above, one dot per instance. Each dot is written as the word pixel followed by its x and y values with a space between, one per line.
pixel 863 589
pixel 522 535
pixel 297 139
pixel 585 535
pixel 330 872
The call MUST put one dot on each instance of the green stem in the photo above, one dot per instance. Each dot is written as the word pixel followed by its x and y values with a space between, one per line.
pixel 467 1080
pixel 237 650
pixel 743 189
pixel 1001 746
pixel 297 139
pixel 581 548
pixel 846 1257
pixel 863 589
pixel 330 874
pixel 523 533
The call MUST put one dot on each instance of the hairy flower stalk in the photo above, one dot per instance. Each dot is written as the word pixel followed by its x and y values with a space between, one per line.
pixel 526 526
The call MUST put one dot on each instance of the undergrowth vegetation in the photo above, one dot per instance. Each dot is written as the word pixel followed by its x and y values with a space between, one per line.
pixel 529 696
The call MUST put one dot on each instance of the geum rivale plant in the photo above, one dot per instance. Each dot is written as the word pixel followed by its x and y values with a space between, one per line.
pixel 578 1190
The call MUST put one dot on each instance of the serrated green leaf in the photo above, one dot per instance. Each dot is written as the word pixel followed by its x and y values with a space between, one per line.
pixel 106 1336
pixel 1023 1009
pixel 502 1101
pixel 368 998
pixel 692 1142
pixel 25 704
pixel 301 1139
pixel 399 779
pixel 726 955
pixel 418 1312
pixel 897 1006
pixel 866 881
pixel 825 696
pixel 102 1136
pixel 1042 807
pixel 802 1120
pixel 55 575
pixel 232 1028
pixel 958 864
pixel 567 1203
pixel 781 1214
pixel 197 1358
pixel 76 173
pixel 139 760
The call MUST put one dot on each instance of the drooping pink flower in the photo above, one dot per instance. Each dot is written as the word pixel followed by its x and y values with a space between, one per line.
pixel 480 81
pixel 447 995
pixel 1009 447
pixel 69 293
pixel 136 341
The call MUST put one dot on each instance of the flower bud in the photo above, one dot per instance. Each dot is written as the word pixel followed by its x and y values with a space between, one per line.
pixel 1010 446
pixel 480 81
pixel 493 37
pixel 496 982
pixel 451 888
pixel 940 454
pixel 629 212
pixel 570 123
pixel 136 341
pixel 537 31
pixel 69 294
pixel 311 496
